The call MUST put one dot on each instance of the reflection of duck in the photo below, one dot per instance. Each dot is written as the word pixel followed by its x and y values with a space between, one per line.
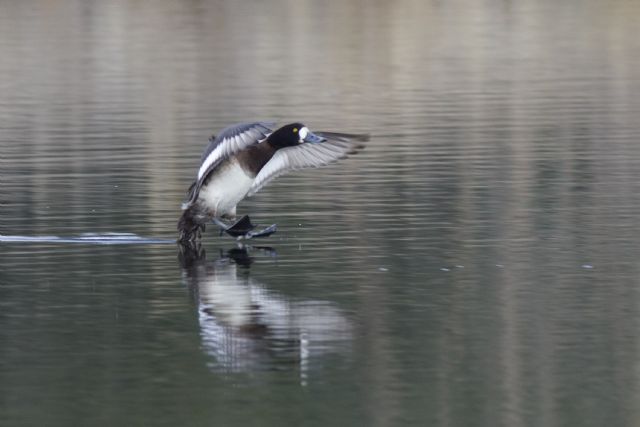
pixel 246 327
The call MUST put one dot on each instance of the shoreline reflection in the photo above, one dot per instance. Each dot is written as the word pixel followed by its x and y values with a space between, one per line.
pixel 246 327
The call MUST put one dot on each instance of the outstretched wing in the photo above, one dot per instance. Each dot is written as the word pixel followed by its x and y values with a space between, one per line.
pixel 308 155
pixel 230 141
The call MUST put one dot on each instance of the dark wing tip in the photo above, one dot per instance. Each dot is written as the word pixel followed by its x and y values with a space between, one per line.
pixel 363 137
pixel 355 142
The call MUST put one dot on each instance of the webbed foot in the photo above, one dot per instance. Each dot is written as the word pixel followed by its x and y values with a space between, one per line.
pixel 243 229
pixel 265 232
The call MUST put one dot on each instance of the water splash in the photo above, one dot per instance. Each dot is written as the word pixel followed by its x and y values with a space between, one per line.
pixel 90 238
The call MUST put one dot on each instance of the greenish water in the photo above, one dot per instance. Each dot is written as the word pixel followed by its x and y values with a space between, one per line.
pixel 476 264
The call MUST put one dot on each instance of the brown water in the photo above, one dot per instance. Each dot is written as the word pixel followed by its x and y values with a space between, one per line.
pixel 477 264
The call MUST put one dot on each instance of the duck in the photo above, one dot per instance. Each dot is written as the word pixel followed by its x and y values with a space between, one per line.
pixel 241 160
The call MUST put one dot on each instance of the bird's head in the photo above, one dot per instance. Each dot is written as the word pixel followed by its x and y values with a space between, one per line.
pixel 293 134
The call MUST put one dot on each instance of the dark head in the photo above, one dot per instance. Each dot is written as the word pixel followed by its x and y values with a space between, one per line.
pixel 293 134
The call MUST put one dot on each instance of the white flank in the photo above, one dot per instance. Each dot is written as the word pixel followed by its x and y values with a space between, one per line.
pixel 227 187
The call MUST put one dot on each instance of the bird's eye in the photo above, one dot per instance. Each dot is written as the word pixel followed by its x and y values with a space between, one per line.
pixel 295 130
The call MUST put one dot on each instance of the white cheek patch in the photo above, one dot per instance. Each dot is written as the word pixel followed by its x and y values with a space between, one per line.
pixel 303 133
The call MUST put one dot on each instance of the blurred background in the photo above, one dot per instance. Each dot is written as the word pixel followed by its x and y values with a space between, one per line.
pixel 476 264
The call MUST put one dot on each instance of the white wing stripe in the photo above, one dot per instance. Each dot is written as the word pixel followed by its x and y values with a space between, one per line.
pixel 230 145
pixel 212 157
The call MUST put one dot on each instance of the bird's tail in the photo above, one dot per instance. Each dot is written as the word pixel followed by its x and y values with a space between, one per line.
pixel 190 225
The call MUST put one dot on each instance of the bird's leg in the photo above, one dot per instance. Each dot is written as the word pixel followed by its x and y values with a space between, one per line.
pixel 222 225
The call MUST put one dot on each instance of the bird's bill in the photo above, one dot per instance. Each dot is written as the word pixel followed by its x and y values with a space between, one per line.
pixel 312 138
